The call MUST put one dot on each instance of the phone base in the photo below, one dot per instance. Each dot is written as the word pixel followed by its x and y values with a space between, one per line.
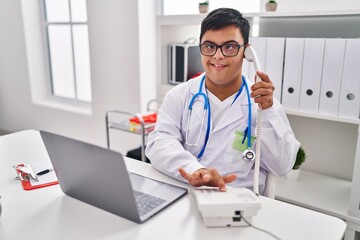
pixel 235 207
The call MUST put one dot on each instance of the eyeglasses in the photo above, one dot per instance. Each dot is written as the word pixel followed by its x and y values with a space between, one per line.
pixel 227 49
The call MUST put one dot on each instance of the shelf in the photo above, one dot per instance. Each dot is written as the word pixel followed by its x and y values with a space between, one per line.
pixel 125 126
pixel 332 13
pixel 317 192
pixel 323 117
pixel 195 19
pixel 163 88
pixel 179 20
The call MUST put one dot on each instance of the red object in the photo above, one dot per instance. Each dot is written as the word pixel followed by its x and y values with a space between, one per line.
pixel 150 118
pixel 27 184
pixel 195 75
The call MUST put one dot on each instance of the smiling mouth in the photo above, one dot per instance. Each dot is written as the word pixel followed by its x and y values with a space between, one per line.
pixel 218 66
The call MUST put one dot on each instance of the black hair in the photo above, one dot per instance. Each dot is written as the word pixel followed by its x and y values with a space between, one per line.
pixel 224 17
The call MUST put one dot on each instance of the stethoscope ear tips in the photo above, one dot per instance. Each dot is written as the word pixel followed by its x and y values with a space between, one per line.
pixel 249 155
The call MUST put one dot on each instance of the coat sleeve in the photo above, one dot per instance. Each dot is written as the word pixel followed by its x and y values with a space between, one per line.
pixel 278 143
pixel 164 147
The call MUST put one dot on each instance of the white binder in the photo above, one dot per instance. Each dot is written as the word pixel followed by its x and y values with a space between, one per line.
pixel 274 63
pixel 331 77
pixel 259 44
pixel 292 73
pixel 311 74
pixel 350 86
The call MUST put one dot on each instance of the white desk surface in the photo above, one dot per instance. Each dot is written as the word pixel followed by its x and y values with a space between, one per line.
pixel 49 214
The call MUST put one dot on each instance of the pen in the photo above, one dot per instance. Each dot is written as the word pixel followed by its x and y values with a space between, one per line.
pixel 43 172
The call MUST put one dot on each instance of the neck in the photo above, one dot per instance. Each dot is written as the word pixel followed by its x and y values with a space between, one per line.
pixel 223 91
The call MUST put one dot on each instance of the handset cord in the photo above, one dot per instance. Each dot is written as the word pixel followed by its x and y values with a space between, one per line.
pixel 257 163
pixel 251 56
pixel 260 229
pixel 258 145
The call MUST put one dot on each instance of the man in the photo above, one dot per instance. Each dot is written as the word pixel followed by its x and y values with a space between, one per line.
pixel 205 147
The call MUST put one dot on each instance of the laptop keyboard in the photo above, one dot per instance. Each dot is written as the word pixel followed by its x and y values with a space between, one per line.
pixel 146 202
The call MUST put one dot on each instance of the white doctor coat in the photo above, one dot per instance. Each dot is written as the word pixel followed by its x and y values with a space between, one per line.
pixel 167 150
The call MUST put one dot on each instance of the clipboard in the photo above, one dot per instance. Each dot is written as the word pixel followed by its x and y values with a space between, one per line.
pixel 26 184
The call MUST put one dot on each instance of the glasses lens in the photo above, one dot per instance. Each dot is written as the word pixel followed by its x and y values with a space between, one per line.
pixel 208 49
pixel 230 50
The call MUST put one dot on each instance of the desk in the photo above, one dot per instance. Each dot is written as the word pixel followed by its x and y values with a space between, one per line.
pixel 49 214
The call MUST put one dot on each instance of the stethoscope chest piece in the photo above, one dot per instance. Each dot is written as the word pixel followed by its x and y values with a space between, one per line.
pixel 249 155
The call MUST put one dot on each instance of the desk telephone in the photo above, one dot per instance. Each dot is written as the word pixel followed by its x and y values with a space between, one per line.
pixel 230 208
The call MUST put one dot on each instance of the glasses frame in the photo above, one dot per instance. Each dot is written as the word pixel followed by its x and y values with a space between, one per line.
pixel 220 46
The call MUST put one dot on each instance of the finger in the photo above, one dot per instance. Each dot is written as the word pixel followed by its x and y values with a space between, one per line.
pixel 184 174
pixel 264 77
pixel 265 102
pixel 217 180
pixel 195 179
pixel 226 179
pixel 220 184
pixel 229 178
pixel 261 92
pixel 263 85
pixel 263 99
pixel 206 176
pixel 222 187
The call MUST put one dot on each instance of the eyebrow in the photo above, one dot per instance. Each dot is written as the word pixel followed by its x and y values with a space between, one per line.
pixel 227 42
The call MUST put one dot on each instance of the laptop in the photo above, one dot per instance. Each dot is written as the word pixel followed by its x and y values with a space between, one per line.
pixel 98 176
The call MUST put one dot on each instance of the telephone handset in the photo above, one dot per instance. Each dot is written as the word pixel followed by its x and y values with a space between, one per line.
pixel 251 56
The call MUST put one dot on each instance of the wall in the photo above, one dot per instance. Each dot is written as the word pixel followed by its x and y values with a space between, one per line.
pixel 147 53
pixel 115 71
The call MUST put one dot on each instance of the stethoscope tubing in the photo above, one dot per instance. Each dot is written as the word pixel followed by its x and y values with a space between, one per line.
pixel 207 109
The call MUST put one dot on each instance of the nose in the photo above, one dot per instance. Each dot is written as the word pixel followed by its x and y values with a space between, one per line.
pixel 218 54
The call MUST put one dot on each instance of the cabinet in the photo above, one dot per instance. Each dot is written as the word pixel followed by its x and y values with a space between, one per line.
pixel 330 179
pixel 321 191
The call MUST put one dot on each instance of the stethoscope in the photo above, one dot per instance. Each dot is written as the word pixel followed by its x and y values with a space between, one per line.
pixel 248 154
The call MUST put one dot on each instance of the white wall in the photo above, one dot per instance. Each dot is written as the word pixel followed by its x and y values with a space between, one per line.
pixel 115 72
pixel 147 54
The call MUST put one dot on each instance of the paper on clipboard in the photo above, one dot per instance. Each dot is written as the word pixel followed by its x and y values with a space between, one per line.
pixel 45 180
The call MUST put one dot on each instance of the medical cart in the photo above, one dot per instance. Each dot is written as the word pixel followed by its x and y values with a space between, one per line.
pixel 143 128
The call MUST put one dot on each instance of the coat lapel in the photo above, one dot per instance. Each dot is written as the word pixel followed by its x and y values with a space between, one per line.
pixel 236 113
